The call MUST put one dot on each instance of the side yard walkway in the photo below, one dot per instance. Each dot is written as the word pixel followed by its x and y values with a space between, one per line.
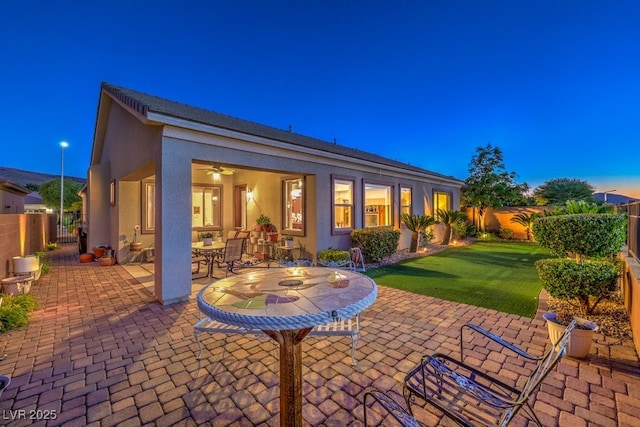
pixel 101 352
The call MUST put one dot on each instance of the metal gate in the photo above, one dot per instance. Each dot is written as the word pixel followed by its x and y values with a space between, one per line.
pixel 68 228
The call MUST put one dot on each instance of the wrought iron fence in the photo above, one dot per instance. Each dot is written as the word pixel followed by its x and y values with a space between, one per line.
pixel 68 228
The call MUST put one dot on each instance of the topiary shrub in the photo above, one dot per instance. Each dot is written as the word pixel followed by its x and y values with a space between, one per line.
pixel 376 243
pixel 589 282
pixel 589 239
pixel 582 235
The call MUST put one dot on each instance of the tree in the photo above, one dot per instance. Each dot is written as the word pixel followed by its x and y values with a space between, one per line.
pixel 560 190
pixel 449 219
pixel 489 185
pixel 417 224
pixel 50 193
pixel 32 187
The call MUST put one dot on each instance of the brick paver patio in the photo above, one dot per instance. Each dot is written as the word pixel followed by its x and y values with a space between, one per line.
pixel 101 352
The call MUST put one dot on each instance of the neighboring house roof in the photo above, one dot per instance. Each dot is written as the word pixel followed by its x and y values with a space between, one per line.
pixel 13 188
pixel 143 104
pixel 615 199
pixel 33 198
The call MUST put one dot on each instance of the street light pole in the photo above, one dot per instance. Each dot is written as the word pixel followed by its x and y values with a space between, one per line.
pixel 63 145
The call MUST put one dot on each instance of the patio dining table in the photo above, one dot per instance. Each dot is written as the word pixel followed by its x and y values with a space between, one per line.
pixel 208 252
pixel 286 303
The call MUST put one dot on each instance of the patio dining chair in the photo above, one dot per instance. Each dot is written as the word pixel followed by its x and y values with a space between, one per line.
pixel 466 394
pixel 231 257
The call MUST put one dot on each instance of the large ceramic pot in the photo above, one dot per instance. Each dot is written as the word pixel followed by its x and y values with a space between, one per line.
pixel 135 246
pixel 25 264
pixel 580 339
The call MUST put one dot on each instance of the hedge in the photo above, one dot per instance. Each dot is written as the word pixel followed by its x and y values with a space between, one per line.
pixel 376 243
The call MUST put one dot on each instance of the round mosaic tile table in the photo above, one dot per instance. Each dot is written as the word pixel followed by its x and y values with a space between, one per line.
pixel 286 303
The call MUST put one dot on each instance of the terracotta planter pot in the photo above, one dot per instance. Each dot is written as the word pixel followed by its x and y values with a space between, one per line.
pixel 580 339
pixel 87 257
pixel 98 251
pixel 273 237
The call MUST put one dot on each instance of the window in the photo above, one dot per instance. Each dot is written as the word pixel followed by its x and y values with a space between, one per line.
pixel 293 195
pixel 148 206
pixel 342 205
pixel 377 205
pixel 406 197
pixel 206 206
pixel 441 201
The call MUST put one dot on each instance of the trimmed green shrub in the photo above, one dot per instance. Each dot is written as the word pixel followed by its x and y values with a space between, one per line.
pixel 589 282
pixel 333 255
pixel 376 243
pixel 464 229
pixel 591 235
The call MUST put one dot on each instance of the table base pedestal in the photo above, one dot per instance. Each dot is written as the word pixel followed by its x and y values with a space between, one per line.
pixel 290 374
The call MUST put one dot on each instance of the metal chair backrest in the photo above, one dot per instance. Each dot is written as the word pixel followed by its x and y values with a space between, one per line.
pixel 233 250
pixel 545 365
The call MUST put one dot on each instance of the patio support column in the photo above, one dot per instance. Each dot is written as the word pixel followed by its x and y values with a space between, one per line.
pixel 173 224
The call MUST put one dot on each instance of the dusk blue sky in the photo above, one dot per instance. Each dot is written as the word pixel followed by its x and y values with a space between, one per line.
pixel 554 84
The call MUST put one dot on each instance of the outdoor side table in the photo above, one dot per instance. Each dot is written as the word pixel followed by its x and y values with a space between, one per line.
pixel 286 303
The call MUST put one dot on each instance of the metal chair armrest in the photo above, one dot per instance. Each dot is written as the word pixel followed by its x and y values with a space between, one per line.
pixel 495 338
pixel 391 406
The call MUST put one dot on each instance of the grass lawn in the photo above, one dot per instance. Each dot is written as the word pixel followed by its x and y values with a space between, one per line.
pixel 497 275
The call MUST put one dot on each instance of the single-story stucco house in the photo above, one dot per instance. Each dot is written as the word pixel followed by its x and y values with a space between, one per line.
pixel 176 170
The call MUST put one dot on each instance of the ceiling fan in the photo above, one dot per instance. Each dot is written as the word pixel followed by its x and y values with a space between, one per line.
pixel 218 170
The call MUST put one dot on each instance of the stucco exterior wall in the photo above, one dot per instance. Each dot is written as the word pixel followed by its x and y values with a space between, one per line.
pixel 128 156
pixel 497 218
pixel 22 234
pixel 11 203
pixel 631 293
